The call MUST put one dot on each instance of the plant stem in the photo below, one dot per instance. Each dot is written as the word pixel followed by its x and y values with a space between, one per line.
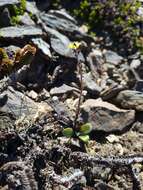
pixel 79 68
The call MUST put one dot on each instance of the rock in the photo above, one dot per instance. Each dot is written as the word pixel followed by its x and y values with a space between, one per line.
pixel 20 105
pixel 60 22
pixel 32 94
pixel 31 8
pixel 136 67
pixel 105 116
pixel 6 3
pixel 135 63
pixel 5 19
pixel 43 46
pixel 63 113
pixel 111 91
pixel 60 43
pixel 112 57
pixel 64 23
pixel 20 32
pixel 130 99
pixel 63 15
pixel 95 61
pixel 26 20
pixel 90 84
pixel 112 138
pixel 64 89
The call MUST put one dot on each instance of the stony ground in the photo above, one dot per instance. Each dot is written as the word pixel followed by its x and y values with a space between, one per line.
pixel 39 100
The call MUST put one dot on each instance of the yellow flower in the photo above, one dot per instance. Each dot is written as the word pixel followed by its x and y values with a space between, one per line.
pixel 74 45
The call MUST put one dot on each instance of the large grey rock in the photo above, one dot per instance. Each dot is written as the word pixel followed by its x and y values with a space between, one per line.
pixel 5 3
pixel 105 116
pixel 59 22
pixel 43 46
pixel 130 99
pixel 19 105
pixel 14 32
pixel 59 43
pixel 112 57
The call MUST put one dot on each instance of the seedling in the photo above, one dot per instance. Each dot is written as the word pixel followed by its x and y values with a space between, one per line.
pixel 82 132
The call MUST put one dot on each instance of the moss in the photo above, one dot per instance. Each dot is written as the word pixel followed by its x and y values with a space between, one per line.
pixel 15 20
pixel 16 11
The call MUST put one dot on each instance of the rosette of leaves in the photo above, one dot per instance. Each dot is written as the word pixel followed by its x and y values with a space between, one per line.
pixel 82 132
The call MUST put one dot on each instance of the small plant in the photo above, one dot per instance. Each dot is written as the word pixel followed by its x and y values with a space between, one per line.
pixel 82 132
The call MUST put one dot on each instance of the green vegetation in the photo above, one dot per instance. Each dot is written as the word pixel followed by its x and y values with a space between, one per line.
pixel 82 132
pixel 16 11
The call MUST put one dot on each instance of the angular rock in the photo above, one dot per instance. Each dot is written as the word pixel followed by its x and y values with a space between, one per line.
pixel 59 22
pixel 20 105
pixel 64 89
pixel 95 61
pixel 90 84
pixel 6 3
pixel 112 57
pixel 63 14
pixel 135 63
pixel 59 43
pixel 31 8
pixel 111 91
pixel 20 32
pixel 26 20
pixel 130 99
pixel 43 46
pixel 105 116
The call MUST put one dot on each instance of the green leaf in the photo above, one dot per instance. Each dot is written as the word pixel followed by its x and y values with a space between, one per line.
pixel 84 138
pixel 85 128
pixel 68 132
